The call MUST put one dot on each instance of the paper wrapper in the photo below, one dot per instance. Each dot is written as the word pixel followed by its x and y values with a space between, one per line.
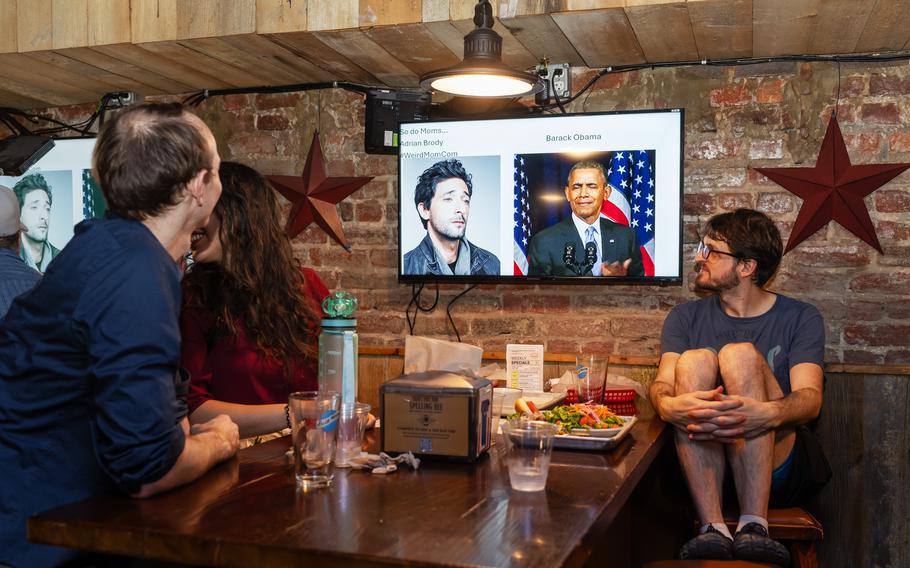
pixel 426 354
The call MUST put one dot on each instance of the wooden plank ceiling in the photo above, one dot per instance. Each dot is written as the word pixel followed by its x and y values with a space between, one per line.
pixel 57 52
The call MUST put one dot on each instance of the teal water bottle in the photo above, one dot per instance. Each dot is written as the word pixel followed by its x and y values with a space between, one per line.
pixel 338 347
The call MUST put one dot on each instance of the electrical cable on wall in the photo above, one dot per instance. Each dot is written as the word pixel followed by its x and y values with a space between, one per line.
pixel 110 101
pixel 197 98
pixel 416 290
pixel 124 98
pixel 449 309
pixel 867 58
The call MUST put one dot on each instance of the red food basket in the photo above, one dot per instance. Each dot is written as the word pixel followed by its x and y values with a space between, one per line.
pixel 621 401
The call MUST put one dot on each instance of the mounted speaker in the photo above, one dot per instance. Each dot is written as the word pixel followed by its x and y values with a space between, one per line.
pixel 19 153
pixel 385 110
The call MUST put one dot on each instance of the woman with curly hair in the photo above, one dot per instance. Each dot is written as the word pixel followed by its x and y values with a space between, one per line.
pixel 250 319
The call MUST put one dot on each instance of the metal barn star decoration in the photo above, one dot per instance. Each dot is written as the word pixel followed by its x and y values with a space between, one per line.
pixel 833 190
pixel 314 195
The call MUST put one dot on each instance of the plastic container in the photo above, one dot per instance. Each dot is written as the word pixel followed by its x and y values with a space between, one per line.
pixel 338 347
pixel 621 401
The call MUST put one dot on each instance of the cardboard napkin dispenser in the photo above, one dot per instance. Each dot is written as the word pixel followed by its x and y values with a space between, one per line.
pixel 436 414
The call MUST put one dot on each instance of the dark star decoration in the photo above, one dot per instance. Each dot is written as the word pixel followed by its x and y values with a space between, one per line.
pixel 833 190
pixel 314 195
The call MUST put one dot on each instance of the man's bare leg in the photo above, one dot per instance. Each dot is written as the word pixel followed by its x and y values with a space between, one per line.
pixel 702 462
pixel 745 372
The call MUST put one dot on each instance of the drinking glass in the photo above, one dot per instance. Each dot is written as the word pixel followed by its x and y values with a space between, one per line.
pixel 353 422
pixel 590 374
pixel 314 427
pixel 509 396
pixel 499 399
pixel 528 454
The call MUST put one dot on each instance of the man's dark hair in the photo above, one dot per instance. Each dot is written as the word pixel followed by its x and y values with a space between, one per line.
pixel 749 234
pixel 145 156
pixel 587 165
pixel 430 178
pixel 30 183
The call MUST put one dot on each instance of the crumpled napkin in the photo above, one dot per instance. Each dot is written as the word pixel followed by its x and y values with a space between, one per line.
pixel 383 463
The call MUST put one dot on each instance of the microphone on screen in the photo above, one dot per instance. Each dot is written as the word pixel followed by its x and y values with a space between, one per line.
pixel 568 257
pixel 590 257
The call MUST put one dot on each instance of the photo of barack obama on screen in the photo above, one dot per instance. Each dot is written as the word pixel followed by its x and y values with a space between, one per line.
pixel 585 243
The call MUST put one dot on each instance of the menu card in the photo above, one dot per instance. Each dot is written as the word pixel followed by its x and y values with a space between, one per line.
pixel 524 367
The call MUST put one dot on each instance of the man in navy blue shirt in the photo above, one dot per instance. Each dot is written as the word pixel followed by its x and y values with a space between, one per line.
pixel 740 371
pixel 16 277
pixel 89 360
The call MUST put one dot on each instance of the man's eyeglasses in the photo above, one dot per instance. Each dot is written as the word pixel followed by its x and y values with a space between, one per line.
pixel 704 251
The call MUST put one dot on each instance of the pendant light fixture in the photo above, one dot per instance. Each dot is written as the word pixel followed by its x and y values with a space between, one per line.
pixel 482 72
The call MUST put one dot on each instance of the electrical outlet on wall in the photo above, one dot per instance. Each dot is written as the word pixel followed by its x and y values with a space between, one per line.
pixel 559 73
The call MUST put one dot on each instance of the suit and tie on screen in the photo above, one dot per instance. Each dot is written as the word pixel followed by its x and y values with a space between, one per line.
pixel 586 243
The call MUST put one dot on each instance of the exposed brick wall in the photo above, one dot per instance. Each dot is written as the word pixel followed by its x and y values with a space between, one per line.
pixel 736 118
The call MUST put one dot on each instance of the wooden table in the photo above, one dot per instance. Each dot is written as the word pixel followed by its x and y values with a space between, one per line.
pixel 248 512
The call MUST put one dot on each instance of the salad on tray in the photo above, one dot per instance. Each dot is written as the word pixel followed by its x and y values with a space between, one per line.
pixel 570 417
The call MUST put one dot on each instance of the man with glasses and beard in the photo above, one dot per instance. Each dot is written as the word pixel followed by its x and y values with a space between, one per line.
pixel 443 201
pixel 741 373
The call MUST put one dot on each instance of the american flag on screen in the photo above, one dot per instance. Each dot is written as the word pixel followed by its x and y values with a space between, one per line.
pixel 631 202
pixel 522 208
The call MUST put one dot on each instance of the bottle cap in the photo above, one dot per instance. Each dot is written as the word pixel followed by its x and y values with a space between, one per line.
pixel 339 305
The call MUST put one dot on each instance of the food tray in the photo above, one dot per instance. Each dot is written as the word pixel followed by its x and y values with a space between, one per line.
pixel 542 400
pixel 594 443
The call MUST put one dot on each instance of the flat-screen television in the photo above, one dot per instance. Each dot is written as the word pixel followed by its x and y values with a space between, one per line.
pixel 570 198
pixel 55 194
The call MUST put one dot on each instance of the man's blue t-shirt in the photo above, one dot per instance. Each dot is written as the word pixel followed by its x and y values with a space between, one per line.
pixel 88 367
pixel 790 333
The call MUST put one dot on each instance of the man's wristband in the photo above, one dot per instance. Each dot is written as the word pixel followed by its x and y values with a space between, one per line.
pixel 287 415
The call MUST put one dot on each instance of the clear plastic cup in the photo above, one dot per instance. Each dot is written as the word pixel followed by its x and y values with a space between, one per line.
pixel 314 427
pixel 590 374
pixel 509 396
pixel 499 399
pixel 528 454
pixel 353 422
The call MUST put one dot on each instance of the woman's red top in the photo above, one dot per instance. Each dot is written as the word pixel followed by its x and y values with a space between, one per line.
pixel 234 369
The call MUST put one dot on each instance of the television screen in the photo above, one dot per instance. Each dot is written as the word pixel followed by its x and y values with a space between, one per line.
pixel 55 194
pixel 582 198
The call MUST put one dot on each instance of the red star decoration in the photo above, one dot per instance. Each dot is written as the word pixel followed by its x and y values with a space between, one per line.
pixel 833 189
pixel 314 195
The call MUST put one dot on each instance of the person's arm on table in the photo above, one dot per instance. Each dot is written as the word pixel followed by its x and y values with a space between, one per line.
pixel 139 440
pixel 208 444
pixel 251 419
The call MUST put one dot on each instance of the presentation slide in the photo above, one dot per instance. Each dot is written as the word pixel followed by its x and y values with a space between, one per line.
pixel 595 195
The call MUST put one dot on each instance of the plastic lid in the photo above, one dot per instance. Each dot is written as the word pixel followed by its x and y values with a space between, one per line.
pixel 339 305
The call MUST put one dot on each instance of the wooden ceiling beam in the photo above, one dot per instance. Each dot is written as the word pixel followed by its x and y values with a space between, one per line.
pixel 886 27
pixel 722 28
pixel 176 46
pixel 415 46
pixel 540 35
pixel 603 38
pixel 359 48
pixel 663 31
pixel 783 27
pixel 840 25
pixel 309 47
